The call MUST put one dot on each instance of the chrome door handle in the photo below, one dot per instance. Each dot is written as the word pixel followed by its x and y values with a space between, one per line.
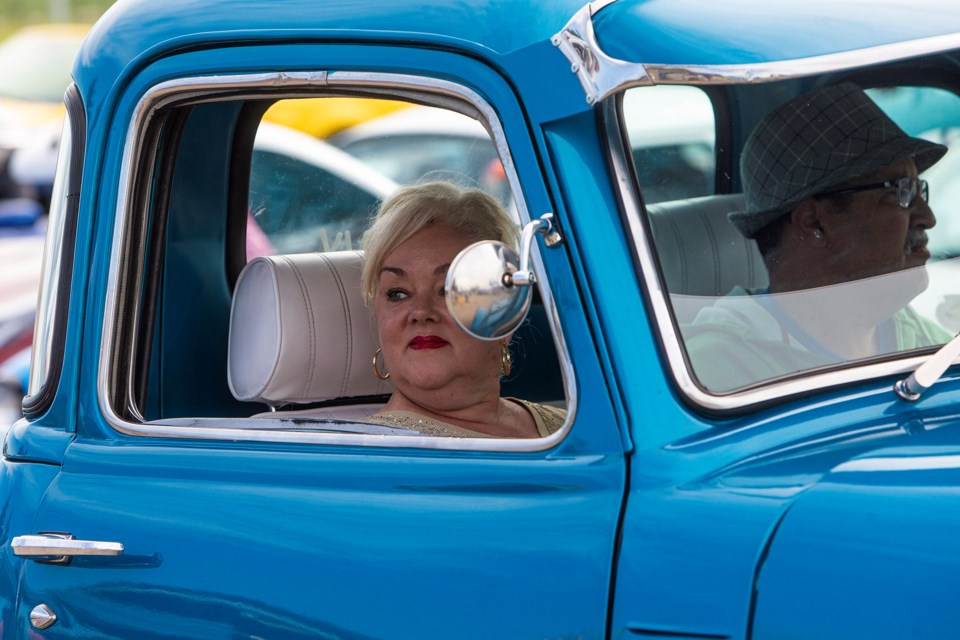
pixel 58 548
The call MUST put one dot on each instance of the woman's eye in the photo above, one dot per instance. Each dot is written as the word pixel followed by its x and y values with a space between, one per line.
pixel 396 295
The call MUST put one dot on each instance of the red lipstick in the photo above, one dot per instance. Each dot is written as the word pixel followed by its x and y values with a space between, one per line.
pixel 427 342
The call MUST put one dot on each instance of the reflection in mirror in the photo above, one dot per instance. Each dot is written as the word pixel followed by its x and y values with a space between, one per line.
pixel 479 294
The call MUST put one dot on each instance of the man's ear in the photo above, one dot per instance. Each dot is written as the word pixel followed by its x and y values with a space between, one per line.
pixel 807 218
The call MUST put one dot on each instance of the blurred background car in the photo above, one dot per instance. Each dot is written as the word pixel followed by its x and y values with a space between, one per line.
pixel 21 254
pixel 307 195
pixel 14 377
pixel 417 143
pixel 338 113
pixel 671 130
pixel 36 62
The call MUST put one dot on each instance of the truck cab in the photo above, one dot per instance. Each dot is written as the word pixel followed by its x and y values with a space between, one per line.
pixel 195 461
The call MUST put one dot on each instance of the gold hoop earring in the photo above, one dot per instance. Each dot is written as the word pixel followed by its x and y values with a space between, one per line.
pixel 506 361
pixel 376 369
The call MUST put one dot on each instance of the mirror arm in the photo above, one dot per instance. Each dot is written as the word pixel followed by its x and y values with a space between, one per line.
pixel 545 226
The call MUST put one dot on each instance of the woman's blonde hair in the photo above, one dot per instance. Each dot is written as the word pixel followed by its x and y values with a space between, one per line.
pixel 412 208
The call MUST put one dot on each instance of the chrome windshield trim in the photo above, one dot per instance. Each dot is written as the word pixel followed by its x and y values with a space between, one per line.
pixel 796 68
pixel 601 75
pixel 292 85
pixel 647 272
pixel 598 73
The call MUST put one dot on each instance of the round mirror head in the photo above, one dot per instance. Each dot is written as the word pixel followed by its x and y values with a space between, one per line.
pixel 478 296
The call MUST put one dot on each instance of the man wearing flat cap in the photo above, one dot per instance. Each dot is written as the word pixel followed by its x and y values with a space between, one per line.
pixel 840 215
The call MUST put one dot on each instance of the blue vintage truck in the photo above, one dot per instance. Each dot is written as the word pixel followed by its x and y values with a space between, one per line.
pixel 165 482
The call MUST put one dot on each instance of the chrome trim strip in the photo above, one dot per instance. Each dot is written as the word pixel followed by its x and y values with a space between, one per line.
pixel 799 67
pixel 206 88
pixel 211 429
pixel 601 75
pixel 672 341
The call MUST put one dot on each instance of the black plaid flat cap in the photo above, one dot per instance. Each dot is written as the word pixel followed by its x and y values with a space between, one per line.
pixel 814 142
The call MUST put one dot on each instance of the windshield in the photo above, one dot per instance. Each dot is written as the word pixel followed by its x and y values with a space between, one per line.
pixel 826 233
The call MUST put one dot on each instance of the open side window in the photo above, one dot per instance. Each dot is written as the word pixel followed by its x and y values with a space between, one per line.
pixel 240 306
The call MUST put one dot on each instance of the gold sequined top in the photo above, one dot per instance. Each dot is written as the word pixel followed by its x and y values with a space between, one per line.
pixel 548 420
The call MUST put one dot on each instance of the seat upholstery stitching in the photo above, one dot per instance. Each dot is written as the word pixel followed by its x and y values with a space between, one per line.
pixel 714 248
pixel 312 330
pixel 345 305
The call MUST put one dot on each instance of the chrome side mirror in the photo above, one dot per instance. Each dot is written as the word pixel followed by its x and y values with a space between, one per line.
pixel 488 289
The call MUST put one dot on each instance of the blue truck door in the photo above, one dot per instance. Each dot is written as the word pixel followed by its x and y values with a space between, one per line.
pixel 249 542
pixel 259 538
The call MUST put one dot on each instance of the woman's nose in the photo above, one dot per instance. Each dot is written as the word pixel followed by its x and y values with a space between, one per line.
pixel 424 308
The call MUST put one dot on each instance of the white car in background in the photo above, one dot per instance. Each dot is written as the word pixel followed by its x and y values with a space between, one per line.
pixel 307 195
pixel 36 62
pixel 671 130
pixel 421 143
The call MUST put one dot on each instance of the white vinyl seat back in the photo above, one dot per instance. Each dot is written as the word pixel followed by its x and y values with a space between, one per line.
pixel 702 254
pixel 300 332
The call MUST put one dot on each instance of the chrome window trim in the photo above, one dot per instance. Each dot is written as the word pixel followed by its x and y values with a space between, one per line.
pixel 295 84
pixel 602 75
pixel 662 311
pixel 785 69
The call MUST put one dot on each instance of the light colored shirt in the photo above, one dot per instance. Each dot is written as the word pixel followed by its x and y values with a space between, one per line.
pixel 744 338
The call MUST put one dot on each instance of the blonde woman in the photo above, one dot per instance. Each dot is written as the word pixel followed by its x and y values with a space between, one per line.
pixel 447 382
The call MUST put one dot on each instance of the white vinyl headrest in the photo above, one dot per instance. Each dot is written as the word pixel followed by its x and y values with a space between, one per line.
pixel 701 252
pixel 299 331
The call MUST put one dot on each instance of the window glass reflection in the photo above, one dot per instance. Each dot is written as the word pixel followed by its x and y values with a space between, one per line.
pixel 840 248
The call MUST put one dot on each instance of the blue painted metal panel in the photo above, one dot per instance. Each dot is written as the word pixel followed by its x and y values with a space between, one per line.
pixel 703 509
pixel 353 543
pixel 21 486
pixel 871 551
pixel 135 30
pixel 743 32
pixel 26 442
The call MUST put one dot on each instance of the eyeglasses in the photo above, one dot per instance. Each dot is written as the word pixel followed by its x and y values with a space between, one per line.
pixel 907 190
